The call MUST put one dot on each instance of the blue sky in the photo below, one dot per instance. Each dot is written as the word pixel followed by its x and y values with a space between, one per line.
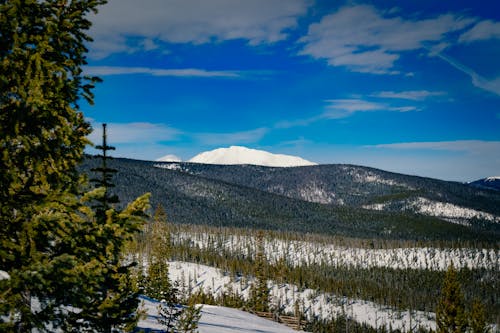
pixel 405 86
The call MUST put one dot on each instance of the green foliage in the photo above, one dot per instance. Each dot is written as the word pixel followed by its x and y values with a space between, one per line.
pixel 477 318
pixel 42 136
pixel 169 310
pixel 450 312
pixel 259 293
pixel 158 239
pixel 189 318
pixel 56 249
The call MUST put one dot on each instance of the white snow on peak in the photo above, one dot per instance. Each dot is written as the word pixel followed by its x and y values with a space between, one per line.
pixel 243 155
pixel 492 179
pixel 169 158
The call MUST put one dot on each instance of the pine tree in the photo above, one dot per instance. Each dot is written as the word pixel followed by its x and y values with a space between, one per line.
pixel 115 301
pixel 169 310
pixel 106 176
pixel 477 318
pixel 158 236
pixel 42 136
pixel 450 311
pixel 54 247
pixel 259 293
pixel 189 318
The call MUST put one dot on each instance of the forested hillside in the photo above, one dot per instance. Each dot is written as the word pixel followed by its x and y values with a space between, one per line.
pixel 284 199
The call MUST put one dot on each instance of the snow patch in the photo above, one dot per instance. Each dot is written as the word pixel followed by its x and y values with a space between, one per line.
pixel 298 253
pixel 492 179
pixel 211 280
pixel 4 275
pixel 215 319
pixel 242 155
pixel 169 166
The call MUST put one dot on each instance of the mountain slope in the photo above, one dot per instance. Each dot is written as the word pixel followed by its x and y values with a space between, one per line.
pixel 191 196
pixel 349 185
pixel 490 183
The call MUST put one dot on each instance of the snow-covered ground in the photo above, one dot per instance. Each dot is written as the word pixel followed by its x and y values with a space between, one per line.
pixel 193 277
pixel 298 253
pixel 217 319
pixel 444 210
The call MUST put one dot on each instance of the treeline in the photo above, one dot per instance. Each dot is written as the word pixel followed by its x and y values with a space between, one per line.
pixel 192 198
pixel 399 289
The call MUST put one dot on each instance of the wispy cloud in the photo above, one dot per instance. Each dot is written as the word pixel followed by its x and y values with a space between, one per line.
pixel 341 108
pixel 185 72
pixel 193 21
pixel 363 39
pixel 243 137
pixel 491 85
pixel 134 133
pixel 414 95
pixel 481 31
pixel 470 146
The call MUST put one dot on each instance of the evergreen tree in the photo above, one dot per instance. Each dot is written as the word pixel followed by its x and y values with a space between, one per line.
pixel 157 282
pixel 169 310
pixel 115 300
pixel 477 318
pixel 42 136
pixel 56 249
pixel 188 320
pixel 259 293
pixel 450 311
pixel 106 175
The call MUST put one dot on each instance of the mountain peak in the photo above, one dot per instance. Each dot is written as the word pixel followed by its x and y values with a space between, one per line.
pixel 244 155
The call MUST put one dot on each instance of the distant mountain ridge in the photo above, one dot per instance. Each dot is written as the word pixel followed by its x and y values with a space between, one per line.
pixel 333 199
pixel 490 183
pixel 242 155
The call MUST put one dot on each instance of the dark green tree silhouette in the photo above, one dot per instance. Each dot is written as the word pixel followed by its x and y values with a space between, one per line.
pixel 42 137
pixel 54 247
pixel 259 294
pixel 477 318
pixel 106 176
pixel 450 312
pixel 158 284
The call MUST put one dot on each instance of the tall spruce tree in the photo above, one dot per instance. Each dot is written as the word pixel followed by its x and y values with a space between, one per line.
pixel 115 300
pixel 450 312
pixel 259 294
pixel 51 244
pixel 105 178
pixel 158 283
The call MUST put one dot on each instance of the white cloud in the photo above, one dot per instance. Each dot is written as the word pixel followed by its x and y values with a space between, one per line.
pixel 134 133
pixel 363 39
pixel 185 72
pixel 481 31
pixel 244 137
pixel 469 146
pixel 414 95
pixel 491 85
pixel 193 21
pixel 341 108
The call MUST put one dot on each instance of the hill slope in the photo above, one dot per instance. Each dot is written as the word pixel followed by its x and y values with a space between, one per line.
pixel 292 199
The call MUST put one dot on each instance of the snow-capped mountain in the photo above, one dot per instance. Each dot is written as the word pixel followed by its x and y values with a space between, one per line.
pixel 491 183
pixel 242 155
pixel 169 158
